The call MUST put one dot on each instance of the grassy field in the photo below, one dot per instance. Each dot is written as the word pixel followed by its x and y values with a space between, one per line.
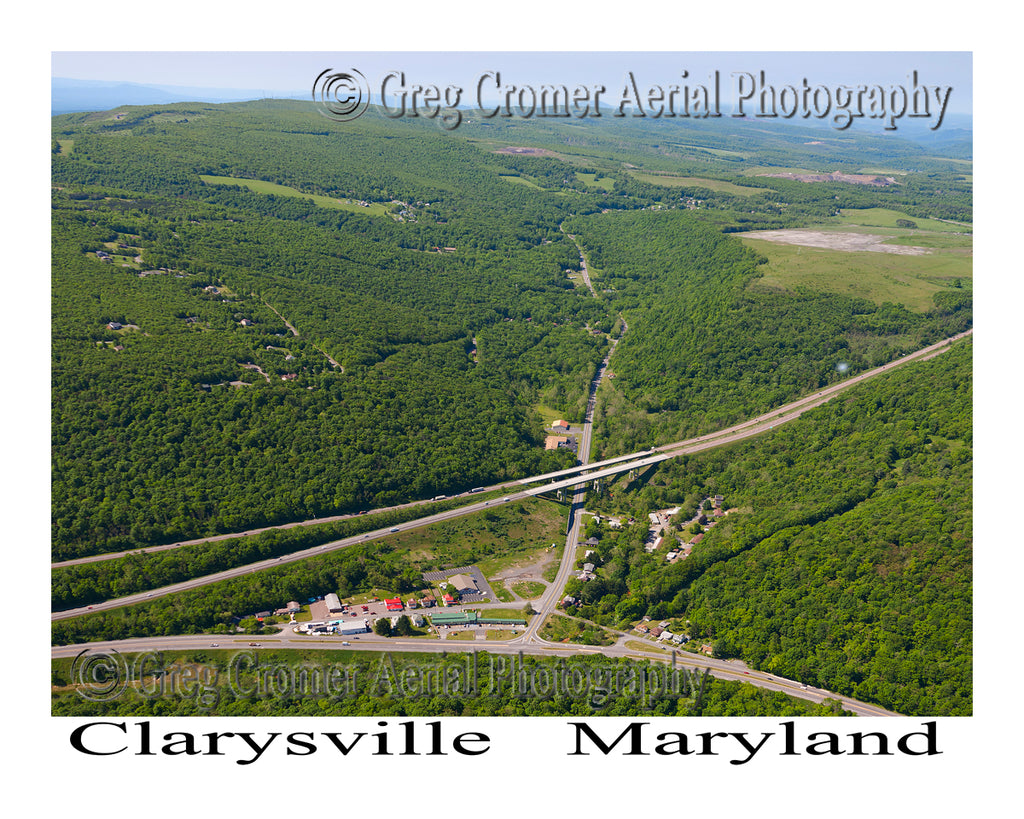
pixel 501 633
pixel 559 629
pixel 885 218
pixel 262 186
pixel 502 594
pixel 520 180
pixel 551 570
pixel 943 241
pixel 492 539
pixel 596 181
pixel 548 414
pixel 529 589
pixel 366 597
pixel 465 634
pixel 908 280
pixel 504 613
pixel 696 182
pixel 641 645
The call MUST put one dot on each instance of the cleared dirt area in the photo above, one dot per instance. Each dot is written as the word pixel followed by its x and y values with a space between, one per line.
pixel 850 178
pixel 530 572
pixel 511 149
pixel 850 242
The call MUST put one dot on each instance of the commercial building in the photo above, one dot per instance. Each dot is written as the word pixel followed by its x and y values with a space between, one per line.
pixel 464 584
pixel 453 618
pixel 472 618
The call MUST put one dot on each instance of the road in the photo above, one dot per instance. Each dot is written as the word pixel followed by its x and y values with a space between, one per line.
pixel 529 642
pixel 583 264
pixel 248 532
pixel 747 429
pixel 720 669
pixel 553 594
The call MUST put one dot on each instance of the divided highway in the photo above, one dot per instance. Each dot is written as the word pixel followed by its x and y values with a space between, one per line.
pixel 747 429
pixel 530 642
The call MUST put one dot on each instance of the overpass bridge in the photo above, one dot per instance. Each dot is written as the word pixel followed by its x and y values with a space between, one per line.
pixel 582 467
pixel 624 463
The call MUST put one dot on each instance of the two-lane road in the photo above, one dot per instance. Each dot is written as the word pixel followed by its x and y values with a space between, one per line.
pixel 738 432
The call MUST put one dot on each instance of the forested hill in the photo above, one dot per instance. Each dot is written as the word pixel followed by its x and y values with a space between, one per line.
pixel 261 316
pixel 705 349
pixel 224 358
pixel 846 557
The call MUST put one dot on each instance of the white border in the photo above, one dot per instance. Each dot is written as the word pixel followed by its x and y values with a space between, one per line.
pixel 531 776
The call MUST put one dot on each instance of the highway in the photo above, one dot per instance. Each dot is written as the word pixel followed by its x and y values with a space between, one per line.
pixel 720 669
pixel 529 642
pixel 738 432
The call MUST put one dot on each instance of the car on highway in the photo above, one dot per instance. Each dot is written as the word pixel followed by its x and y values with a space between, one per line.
pixel 254 645
pixel 346 643
pixel 214 645
pixel 395 529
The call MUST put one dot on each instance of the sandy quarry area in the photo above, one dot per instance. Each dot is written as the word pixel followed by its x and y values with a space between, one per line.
pixel 835 241
pixel 512 149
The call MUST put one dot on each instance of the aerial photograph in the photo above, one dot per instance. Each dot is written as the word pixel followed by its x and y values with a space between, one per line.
pixel 493 384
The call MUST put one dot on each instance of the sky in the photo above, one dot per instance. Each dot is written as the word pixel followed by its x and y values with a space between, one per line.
pixel 280 73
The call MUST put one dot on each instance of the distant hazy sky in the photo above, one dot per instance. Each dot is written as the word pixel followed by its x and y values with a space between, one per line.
pixel 291 72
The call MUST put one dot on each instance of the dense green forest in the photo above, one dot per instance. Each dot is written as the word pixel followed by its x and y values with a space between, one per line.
pixel 847 560
pixel 406 375
pixel 705 350
pixel 260 317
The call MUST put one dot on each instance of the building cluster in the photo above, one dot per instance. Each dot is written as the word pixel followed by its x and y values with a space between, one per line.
pixel 660 632
pixel 464 584
pixel 561 439
pixel 588 569
pixel 659 523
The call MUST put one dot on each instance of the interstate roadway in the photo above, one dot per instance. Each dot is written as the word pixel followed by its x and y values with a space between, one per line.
pixel 530 642
pixel 747 429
